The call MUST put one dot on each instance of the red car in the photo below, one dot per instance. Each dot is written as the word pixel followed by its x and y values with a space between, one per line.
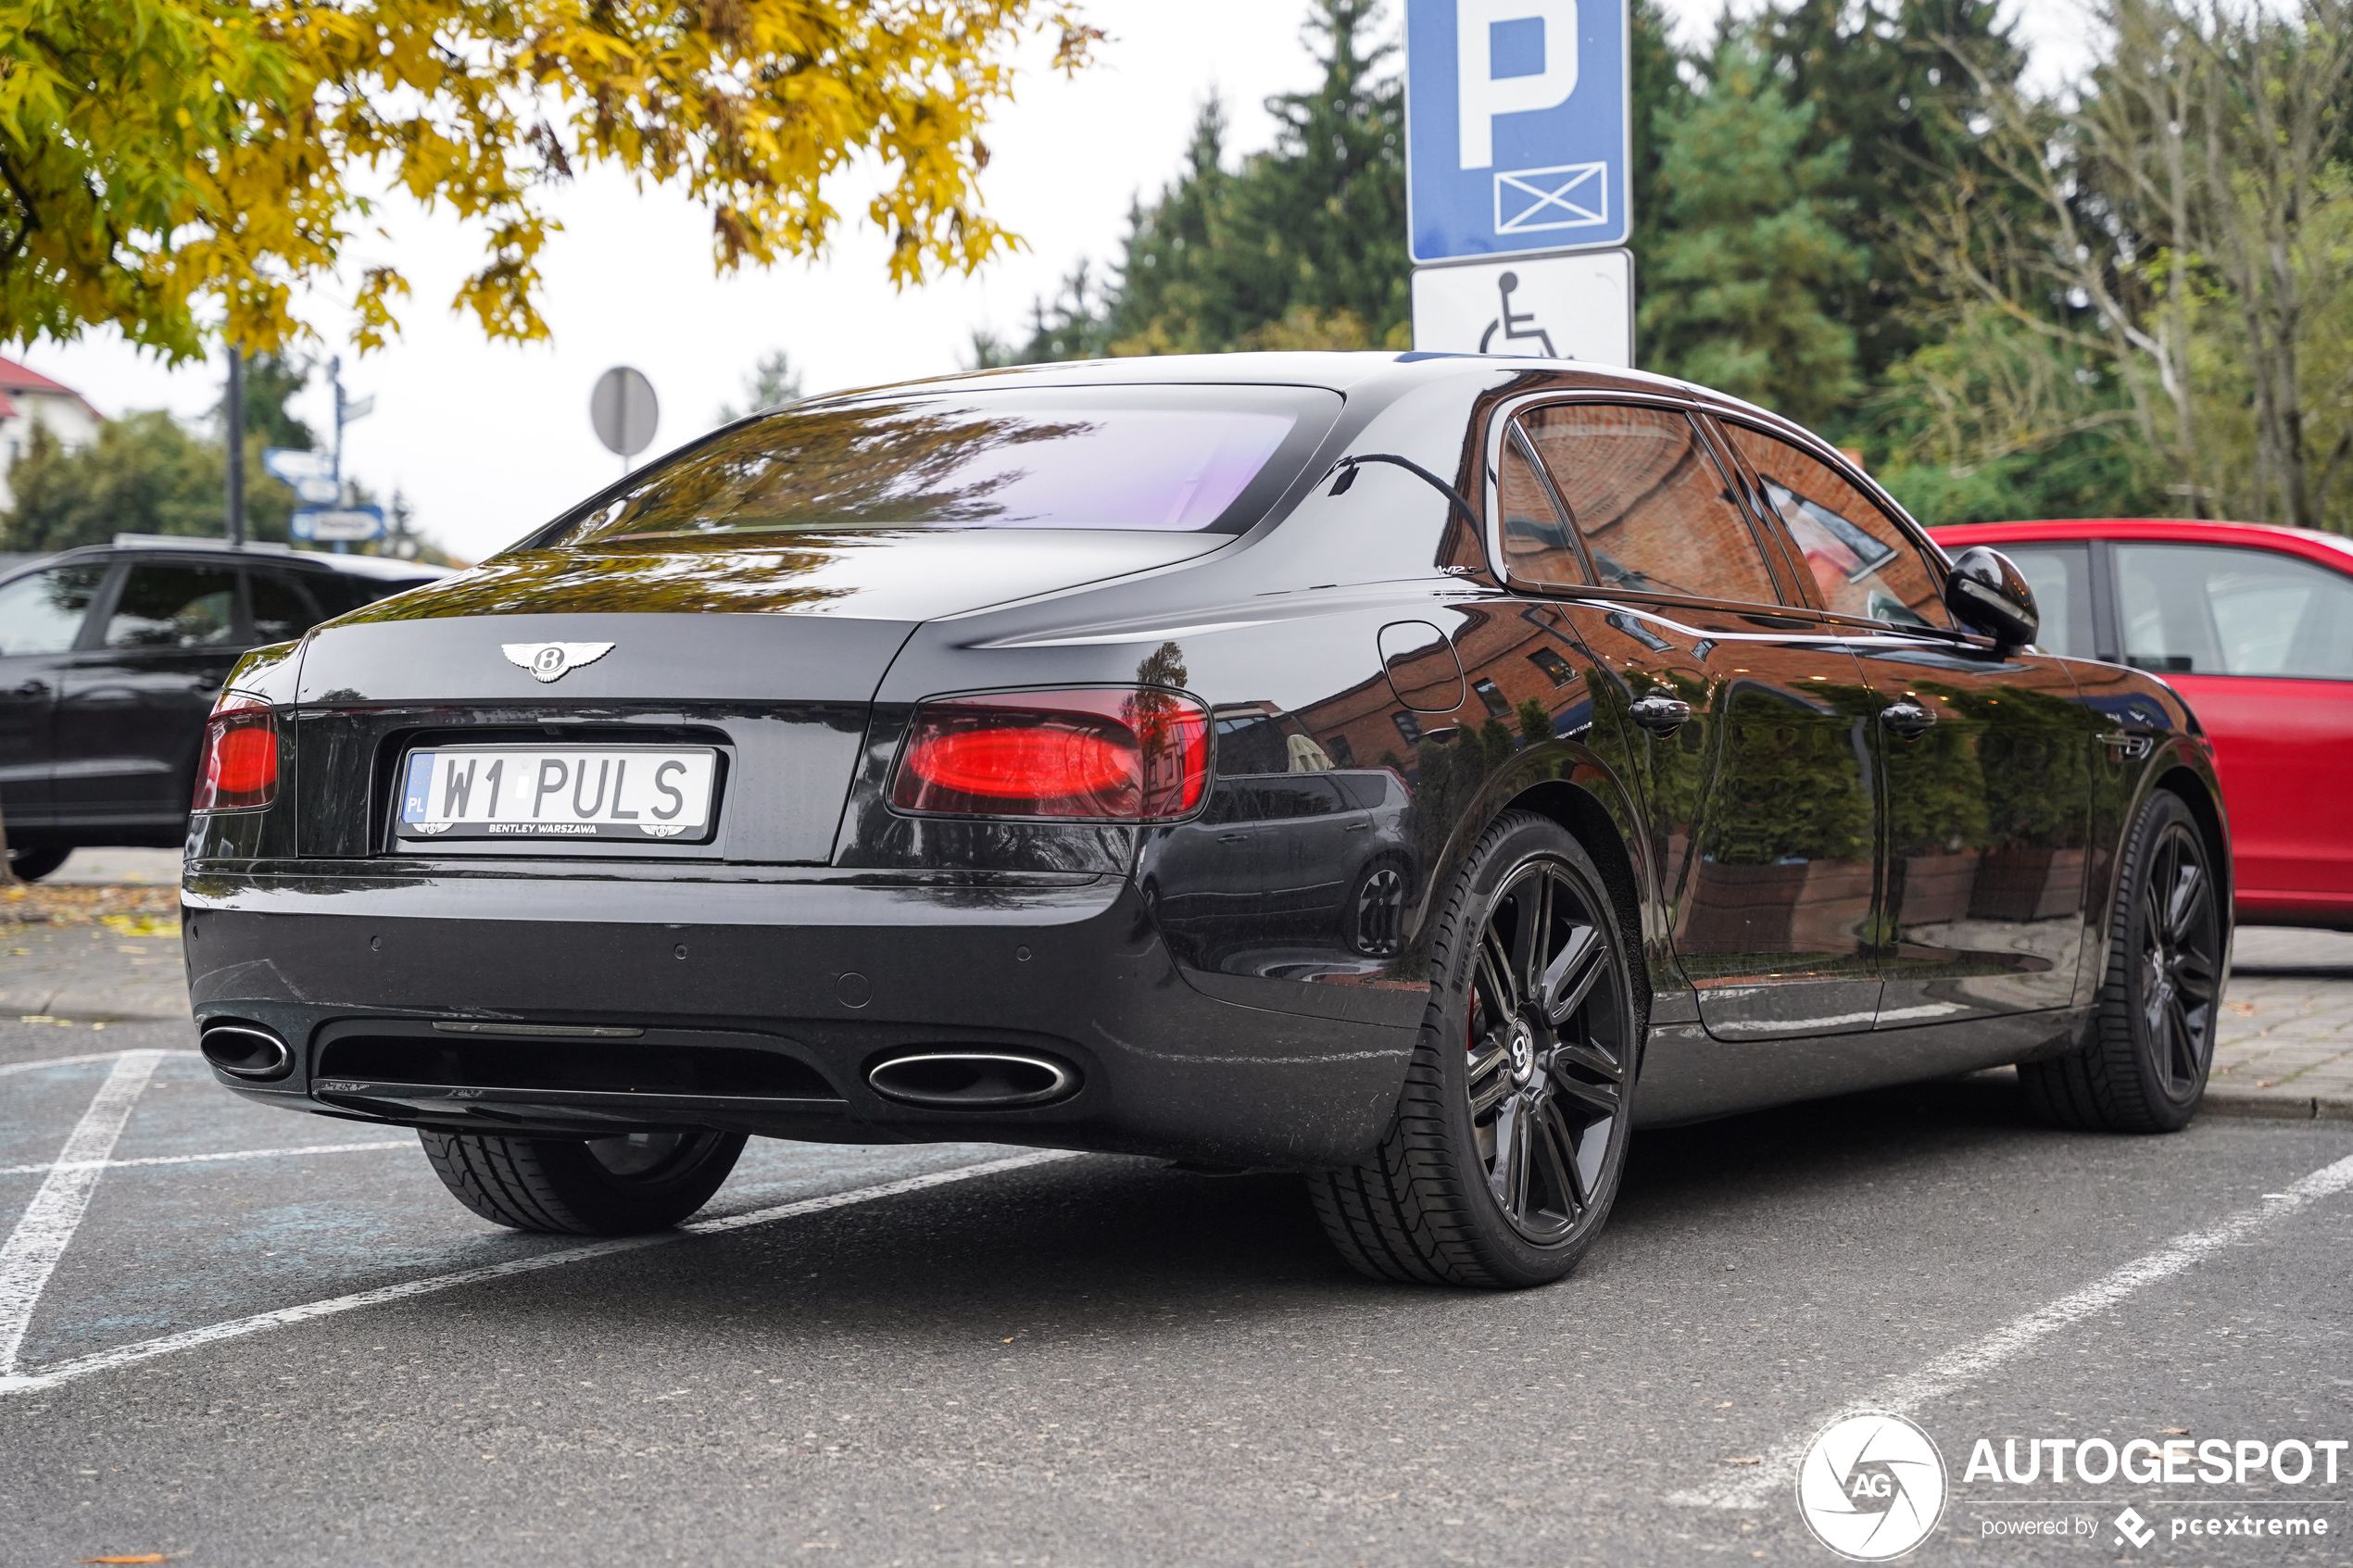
pixel 2253 626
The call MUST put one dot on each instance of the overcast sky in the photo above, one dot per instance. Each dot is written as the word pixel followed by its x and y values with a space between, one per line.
pixel 490 440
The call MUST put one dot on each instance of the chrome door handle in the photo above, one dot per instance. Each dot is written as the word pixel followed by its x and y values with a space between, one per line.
pixel 1910 720
pixel 31 688
pixel 1661 714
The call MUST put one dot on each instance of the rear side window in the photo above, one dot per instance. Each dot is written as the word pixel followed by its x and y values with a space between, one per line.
pixel 43 613
pixel 175 606
pixel 1650 503
pixel 1862 562
pixel 1536 546
pixel 2062 578
pixel 2214 610
pixel 1164 458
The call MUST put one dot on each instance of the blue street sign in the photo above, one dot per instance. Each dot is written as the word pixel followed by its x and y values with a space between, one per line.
pixel 1516 129
pixel 343 524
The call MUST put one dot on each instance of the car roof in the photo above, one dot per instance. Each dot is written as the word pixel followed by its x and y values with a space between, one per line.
pixel 1338 370
pixel 382 568
pixel 2332 549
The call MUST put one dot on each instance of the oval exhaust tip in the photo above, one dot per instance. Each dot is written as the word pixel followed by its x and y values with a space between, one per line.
pixel 972 1080
pixel 245 1050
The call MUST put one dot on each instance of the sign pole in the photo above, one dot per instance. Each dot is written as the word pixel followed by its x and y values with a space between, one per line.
pixel 232 419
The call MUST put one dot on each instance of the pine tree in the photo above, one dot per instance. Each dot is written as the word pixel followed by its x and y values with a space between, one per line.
pixel 1888 87
pixel 1743 292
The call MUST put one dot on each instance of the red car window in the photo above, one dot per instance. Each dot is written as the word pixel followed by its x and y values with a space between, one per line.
pixel 2212 610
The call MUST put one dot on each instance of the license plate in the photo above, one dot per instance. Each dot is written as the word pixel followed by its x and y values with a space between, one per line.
pixel 557 793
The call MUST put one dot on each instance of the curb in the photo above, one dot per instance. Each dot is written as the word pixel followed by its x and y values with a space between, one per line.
pixel 2227 1102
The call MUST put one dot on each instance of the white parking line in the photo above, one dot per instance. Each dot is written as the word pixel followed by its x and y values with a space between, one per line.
pixel 55 1213
pixel 1759 1487
pixel 86 1055
pixel 189 1339
pixel 200 1159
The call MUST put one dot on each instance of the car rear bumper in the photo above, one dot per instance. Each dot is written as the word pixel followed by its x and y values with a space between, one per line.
pixel 763 1006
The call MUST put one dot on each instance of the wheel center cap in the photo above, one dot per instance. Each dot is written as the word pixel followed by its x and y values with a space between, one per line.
pixel 1522 1047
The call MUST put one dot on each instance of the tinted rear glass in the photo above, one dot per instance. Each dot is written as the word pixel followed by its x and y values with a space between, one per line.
pixel 1166 458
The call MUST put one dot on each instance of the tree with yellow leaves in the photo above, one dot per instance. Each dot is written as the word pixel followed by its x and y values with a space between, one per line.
pixel 177 167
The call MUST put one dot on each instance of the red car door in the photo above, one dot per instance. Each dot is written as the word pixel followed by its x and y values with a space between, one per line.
pixel 2260 642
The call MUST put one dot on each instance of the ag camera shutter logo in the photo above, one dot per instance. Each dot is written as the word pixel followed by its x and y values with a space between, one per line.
pixel 1872 1488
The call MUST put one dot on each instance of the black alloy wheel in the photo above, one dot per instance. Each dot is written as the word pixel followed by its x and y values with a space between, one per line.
pixel 1512 1129
pixel 1546 1095
pixel 618 1185
pixel 2145 1068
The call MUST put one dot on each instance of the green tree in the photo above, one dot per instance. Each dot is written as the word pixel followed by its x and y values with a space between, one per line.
pixel 1743 291
pixel 170 162
pixel 1303 247
pixel 1658 96
pixel 1894 87
pixel 146 473
pixel 772 383
pixel 271 381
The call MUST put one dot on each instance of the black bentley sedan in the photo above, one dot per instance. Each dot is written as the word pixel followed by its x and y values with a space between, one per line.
pixel 1412 770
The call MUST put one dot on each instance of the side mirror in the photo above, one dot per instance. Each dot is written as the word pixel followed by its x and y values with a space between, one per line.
pixel 1987 593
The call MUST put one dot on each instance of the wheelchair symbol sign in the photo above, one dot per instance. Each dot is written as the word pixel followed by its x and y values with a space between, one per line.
pixel 1516 129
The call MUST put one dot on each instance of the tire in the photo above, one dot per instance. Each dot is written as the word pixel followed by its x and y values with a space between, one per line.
pixel 1510 1135
pixel 583 1186
pixel 30 862
pixel 2151 1044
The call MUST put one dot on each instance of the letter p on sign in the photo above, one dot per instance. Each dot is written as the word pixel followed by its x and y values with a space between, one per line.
pixel 1532 42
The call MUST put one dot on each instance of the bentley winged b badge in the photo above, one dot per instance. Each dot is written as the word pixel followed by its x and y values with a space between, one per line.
pixel 548 661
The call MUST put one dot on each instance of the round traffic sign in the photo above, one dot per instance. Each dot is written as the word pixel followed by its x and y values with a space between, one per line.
pixel 623 410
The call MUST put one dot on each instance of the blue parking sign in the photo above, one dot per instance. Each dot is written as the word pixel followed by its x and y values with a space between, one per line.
pixel 1516 127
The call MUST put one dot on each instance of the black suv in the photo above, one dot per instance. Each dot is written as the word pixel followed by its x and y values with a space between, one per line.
pixel 110 657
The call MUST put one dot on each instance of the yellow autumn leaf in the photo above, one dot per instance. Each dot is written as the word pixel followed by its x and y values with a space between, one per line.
pixel 176 167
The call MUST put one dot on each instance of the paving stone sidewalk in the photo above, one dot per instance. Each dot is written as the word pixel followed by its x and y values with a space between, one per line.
pixel 2285 1045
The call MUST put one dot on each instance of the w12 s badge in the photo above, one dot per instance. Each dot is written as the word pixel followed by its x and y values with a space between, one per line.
pixel 1872 1488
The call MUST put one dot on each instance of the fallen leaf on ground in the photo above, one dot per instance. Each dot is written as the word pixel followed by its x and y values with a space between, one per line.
pixel 142 1556
pixel 2172 1431
pixel 1746 1459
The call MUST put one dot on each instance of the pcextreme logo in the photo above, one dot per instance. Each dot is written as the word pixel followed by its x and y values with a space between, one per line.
pixel 1871 1486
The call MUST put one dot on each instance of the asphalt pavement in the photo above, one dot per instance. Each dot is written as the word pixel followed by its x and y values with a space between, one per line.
pixel 235 1336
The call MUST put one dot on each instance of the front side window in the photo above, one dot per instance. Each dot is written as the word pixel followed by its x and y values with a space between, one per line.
pixel 175 606
pixel 1861 561
pixel 43 612
pixel 2216 610
pixel 1649 502
pixel 1163 458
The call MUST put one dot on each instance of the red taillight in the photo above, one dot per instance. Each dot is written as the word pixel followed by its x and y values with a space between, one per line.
pixel 1120 754
pixel 239 769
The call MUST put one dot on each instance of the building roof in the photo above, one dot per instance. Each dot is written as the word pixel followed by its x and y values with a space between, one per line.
pixel 14 378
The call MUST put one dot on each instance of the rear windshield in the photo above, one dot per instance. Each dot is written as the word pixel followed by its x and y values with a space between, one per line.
pixel 1166 458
